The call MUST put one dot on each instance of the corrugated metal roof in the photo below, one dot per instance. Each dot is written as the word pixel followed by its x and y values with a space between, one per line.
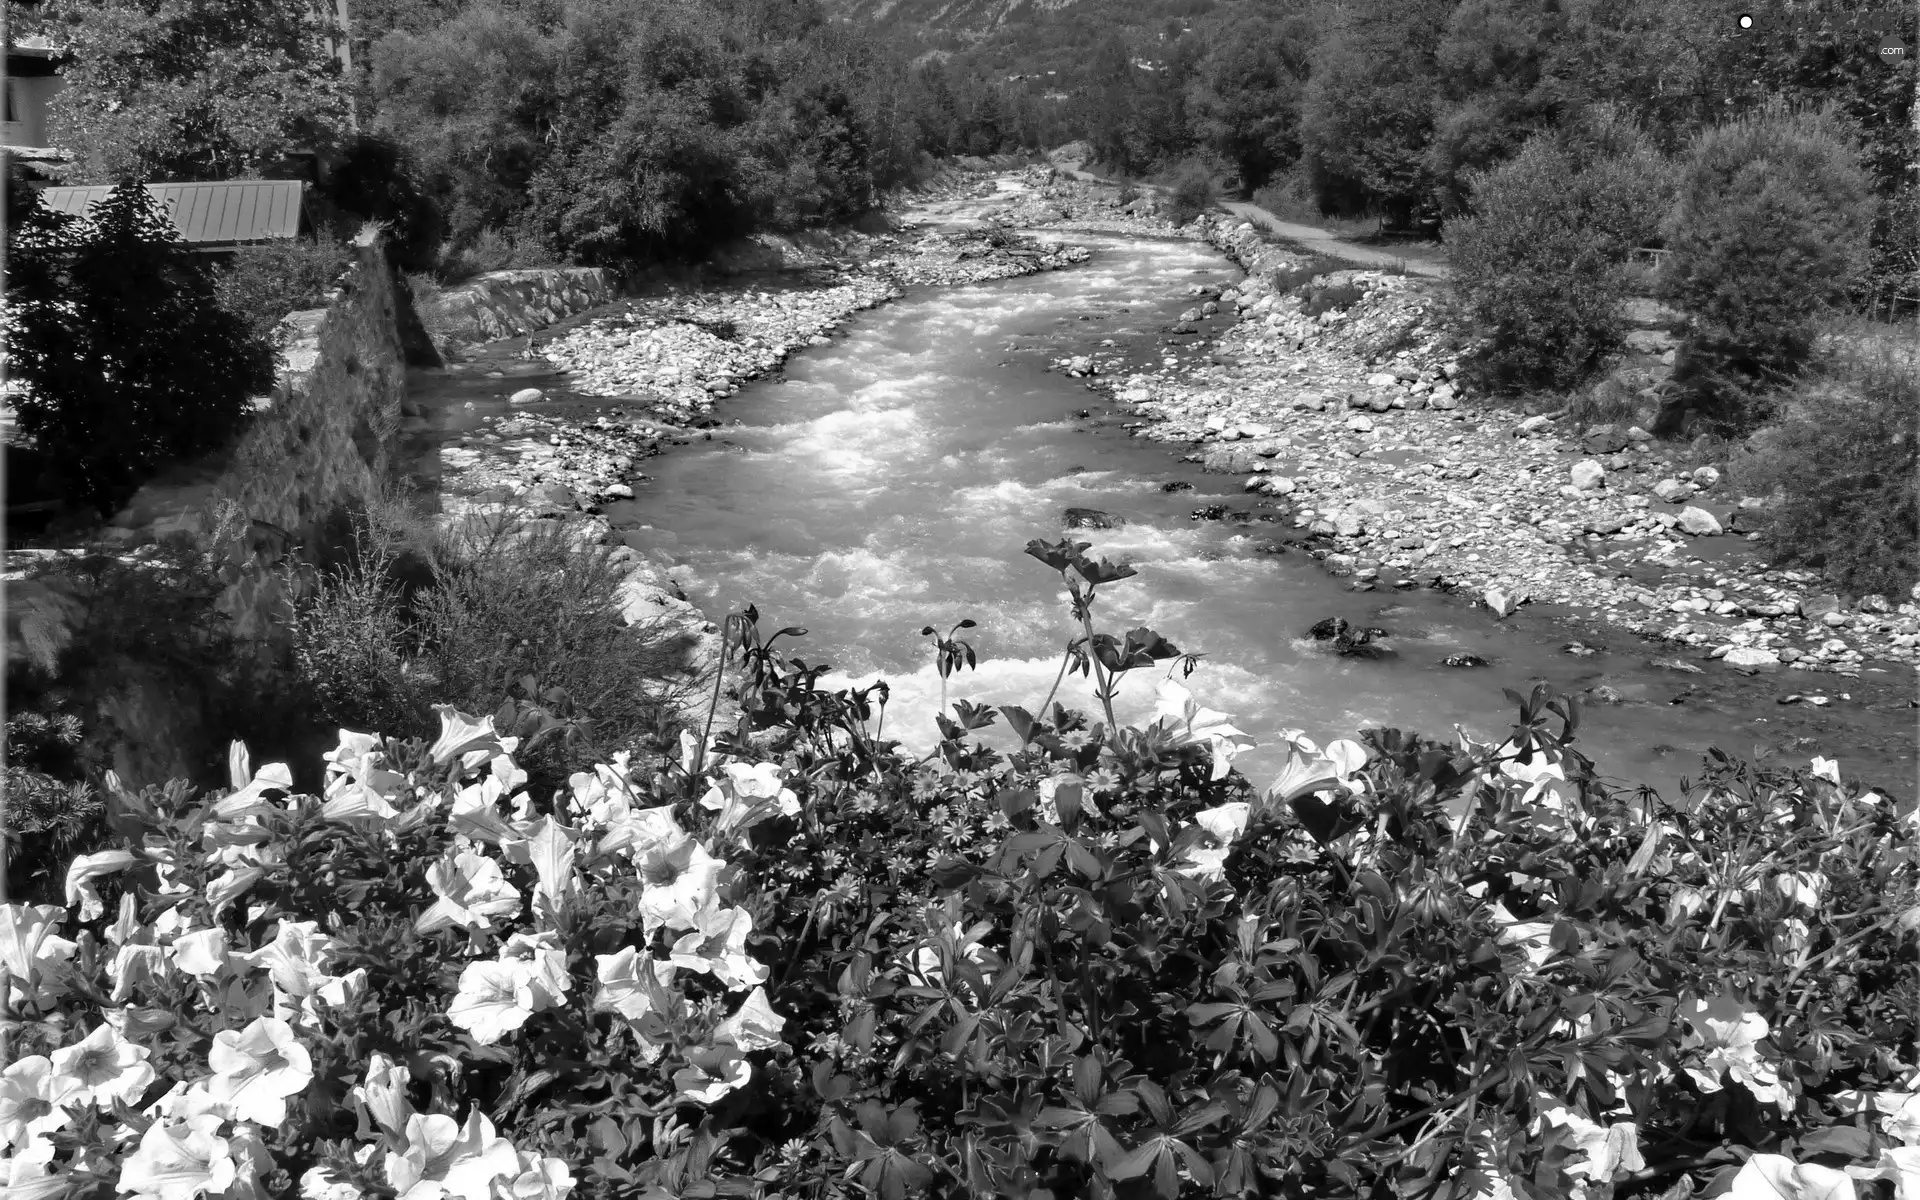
pixel 237 210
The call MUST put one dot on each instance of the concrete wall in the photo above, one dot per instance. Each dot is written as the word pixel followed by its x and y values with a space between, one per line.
pixel 507 304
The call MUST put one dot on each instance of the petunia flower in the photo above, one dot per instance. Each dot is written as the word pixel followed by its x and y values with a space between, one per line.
pixel 636 831
pixel 679 877
pixel 179 1161
pixel 754 1027
pixel 295 958
pixel 1900 1111
pixel 1732 1050
pixel 1534 938
pixel 718 943
pixel 1802 887
pixel 381 1098
pixel 625 990
pixel 359 784
pixel 104 1067
pixel 84 870
pixel 26 1175
pixel 257 1068
pixel 545 961
pixel 1204 863
pixel 230 885
pixel 711 1072
pixel 461 734
pixel 1604 1150
pixel 548 847
pixel 1901 1166
pixel 1226 821
pixel 32 953
pixel 1176 711
pixel 200 953
pixel 472 892
pixel 1827 769
pixel 751 793
pixel 541 1177
pixel 443 1158
pixel 1777 1177
pixel 495 998
pixel 249 787
pixel 33 1100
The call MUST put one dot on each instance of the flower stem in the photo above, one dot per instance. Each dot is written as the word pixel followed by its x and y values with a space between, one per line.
pixel 719 675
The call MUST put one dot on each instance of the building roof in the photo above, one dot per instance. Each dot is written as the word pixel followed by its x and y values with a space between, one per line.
pixel 209 214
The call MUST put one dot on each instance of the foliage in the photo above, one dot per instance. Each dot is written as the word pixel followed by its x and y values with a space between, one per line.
pixel 1769 231
pixel 1843 464
pixel 1245 96
pixel 128 361
pixel 1190 194
pixel 207 89
pixel 1102 964
pixel 504 608
pixel 1537 267
pixel 375 181
pixel 52 814
pixel 265 283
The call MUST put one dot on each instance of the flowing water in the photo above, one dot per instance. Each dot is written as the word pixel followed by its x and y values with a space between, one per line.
pixel 892 479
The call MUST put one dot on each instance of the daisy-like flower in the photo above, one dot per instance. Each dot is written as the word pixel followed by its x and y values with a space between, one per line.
pixel 33 1096
pixel 754 1027
pixel 711 1072
pixel 180 1160
pixel 1731 1050
pixel 104 1067
pixel 32 953
pixel 472 892
pixel 257 1068
pixel 718 943
pixel 680 877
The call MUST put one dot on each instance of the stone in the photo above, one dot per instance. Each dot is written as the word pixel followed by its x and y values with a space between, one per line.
pixel 1833 620
pixel 1091 518
pixel 1360 424
pixel 1588 475
pixel 1444 403
pixel 1216 423
pixel 1498 601
pixel 1379 404
pixel 1751 659
pixel 527 396
pixel 1605 524
pixel 550 497
pixel 1464 660
pixel 1638 436
pixel 1382 379
pixel 1875 603
pixel 1815 607
pixel 1081 365
pixel 1531 425
pixel 1278 485
pixel 1698 522
pixel 1606 440
pixel 619 491
pixel 1673 491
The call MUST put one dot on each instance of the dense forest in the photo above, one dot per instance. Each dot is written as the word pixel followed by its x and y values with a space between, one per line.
pixel 600 130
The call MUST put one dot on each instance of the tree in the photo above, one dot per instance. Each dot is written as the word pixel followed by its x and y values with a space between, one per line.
pixel 1245 98
pixel 128 360
pixel 1367 115
pixel 195 89
pixel 1768 232
pixel 1494 91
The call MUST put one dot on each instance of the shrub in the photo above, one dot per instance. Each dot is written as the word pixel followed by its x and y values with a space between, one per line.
pixel 491 250
pixel 262 284
pixel 1332 297
pixel 1768 232
pixel 1538 267
pixel 128 360
pixel 1099 965
pixel 1843 464
pixel 375 181
pixel 1189 195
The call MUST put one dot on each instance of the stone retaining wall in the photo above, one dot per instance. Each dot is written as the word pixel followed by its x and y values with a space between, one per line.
pixel 506 304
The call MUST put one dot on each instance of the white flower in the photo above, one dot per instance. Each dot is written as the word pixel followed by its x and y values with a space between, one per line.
pixel 1901 1120
pixel 257 1068
pixel 443 1159
pixel 1304 773
pixel 545 961
pixel 104 1067
pixel 84 870
pixel 1605 1149
pixel 249 786
pixel 178 1161
pixel 24 1175
pixel 359 785
pixel 1226 822
pixel 495 998
pixel 31 953
pixel 472 892
pixel 926 959
pixel 718 943
pixel 382 1097
pixel 230 885
pixel 323 1183
pixel 461 734
pixel 750 794
pixel 548 848
pixel 1732 1048
pixel 1901 1166
pixel 1176 711
pixel 541 1178
pixel 625 990
pixel 200 953
pixel 680 878
pixel 1802 887
pixel 1775 1177
pixel 638 830
pixel 294 958
pixel 1533 937
pixel 1827 769
pixel 475 812
pixel 1205 863
pixel 32 1096
pixel 711 1072
pixel 754 1027
pixel 1075 786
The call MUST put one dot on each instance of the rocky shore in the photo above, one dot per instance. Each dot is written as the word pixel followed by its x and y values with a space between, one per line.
pixel 1337 400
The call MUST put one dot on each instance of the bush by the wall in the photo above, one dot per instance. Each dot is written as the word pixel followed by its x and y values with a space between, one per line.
pixel 116 330
pixel 262 284
pixel 1189 194
pixel 1843 467
pixel 1769 231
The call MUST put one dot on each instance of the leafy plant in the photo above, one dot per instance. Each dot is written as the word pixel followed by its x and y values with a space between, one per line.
pixel 265 283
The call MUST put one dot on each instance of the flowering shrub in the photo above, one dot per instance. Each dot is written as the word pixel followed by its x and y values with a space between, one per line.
pixel 798 964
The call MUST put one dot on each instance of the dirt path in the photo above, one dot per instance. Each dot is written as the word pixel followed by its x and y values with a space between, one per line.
pixel 1322 242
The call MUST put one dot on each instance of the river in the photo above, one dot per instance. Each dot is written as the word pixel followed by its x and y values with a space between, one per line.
pixel 891 479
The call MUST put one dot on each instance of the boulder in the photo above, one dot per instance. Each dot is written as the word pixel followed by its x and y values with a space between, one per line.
pixel 1091 518
pixel 1606 524
pixel 1588 475
pixel 1278 485
pixel 1446 403
pixel 550 497
pixel 1604 440
pixel 1531 425
pixel 1705 477
pixel 527 396
pixel 1698 522
pixel 1817 606
pixel 1673 491
pixel 1751 659
pixel 1382 379
pixel 1360 424
pixel 1638 436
